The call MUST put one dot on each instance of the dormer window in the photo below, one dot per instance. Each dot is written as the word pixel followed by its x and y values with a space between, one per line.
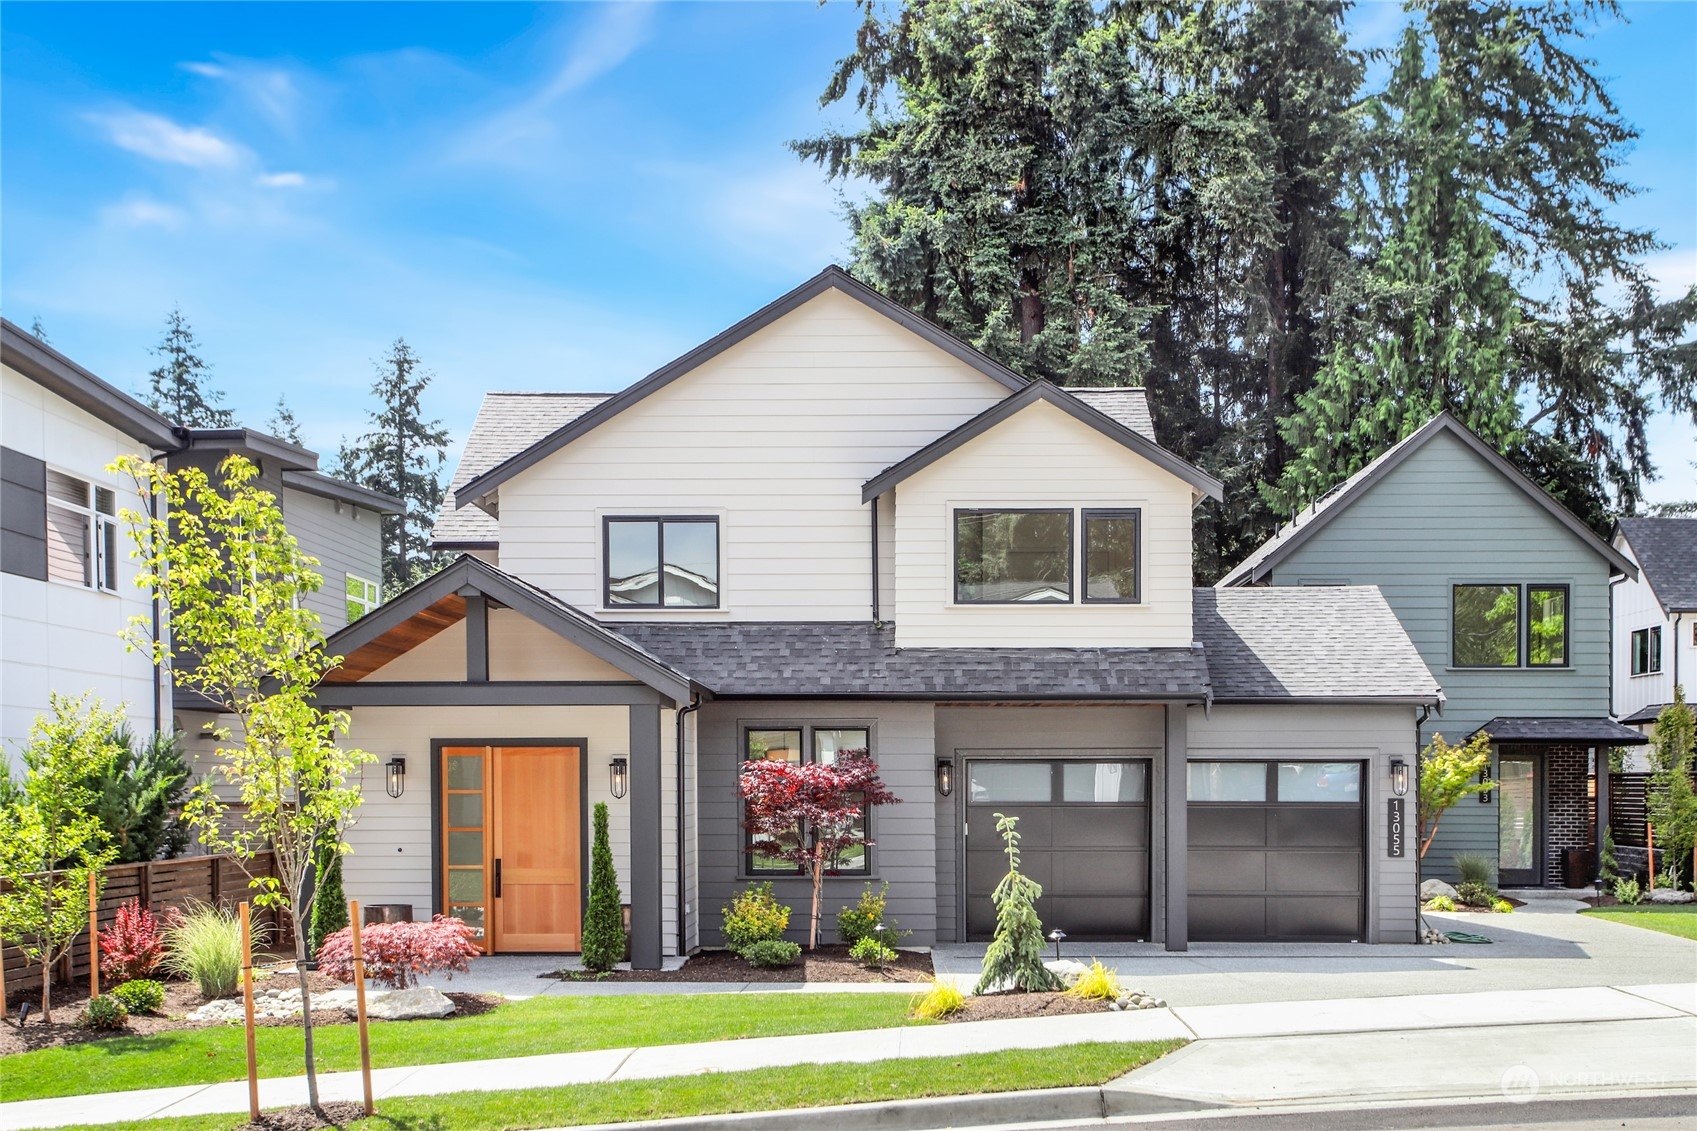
pixel 666 562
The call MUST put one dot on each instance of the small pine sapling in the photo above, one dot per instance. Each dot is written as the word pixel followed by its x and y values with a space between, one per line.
pixel 1014 957
pixel 604 925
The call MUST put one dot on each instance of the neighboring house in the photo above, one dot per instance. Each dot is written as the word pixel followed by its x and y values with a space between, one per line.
pixel 1655 618
pixel 68 585
pixel 835 527
pixel 1507 596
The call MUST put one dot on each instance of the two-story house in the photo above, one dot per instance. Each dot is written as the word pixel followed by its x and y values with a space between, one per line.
pixel 1507 596
pixel 835 527
pixel 67 581
pixel 1655 617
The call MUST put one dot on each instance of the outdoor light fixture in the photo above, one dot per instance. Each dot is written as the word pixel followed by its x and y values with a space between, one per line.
pixel 620 774
pixel 1399 777
pixel 945 776
pixel 1055 936
pixel 397 777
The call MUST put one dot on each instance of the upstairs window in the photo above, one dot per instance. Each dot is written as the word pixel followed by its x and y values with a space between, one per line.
pixel 82 532
pixel 1546 626
pixel 1509 626
pixel 667 562
pixel 1647 650
pixel 363 596
pixel 1013 556
pixel 1110 555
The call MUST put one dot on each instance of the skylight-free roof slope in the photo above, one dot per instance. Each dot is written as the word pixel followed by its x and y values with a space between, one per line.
pixel 1666 549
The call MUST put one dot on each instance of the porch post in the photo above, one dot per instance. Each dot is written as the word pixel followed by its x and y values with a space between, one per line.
pixel 646 944
pixel 1177 845
pixel 1600 768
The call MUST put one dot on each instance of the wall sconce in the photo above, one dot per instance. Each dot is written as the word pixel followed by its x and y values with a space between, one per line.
pixel 397 777
pixel 1399 777
pixel 619 774
pixel 945 776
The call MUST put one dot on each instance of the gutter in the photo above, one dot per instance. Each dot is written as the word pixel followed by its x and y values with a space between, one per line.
pixel 678 753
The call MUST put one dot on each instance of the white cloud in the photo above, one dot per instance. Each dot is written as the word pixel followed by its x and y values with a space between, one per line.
pixel 161 139
pixel 271 90
pixel 205 70
pixel 784 214
pixel 1674 271
pixel 143 213
pixel 280 180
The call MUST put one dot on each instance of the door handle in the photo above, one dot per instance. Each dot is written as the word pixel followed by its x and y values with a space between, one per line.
pixel 497 877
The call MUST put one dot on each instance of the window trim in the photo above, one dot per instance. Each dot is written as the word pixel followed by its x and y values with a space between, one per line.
pixel 1566 623
pixel 1085 515
pixel 1519 625
pixel 1071 547
pixel 1652 651
pixel 100 566
pixel 809 753
pixel 660 521
pixel 373 588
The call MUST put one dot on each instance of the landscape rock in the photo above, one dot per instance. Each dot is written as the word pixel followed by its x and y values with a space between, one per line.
pixel 409 1005
pixel 1668 895
pixel 1431 889
pixel 1066 970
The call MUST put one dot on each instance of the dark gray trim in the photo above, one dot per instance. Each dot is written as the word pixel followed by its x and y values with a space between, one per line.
pixel 1067 403
pixel 647 882
pixel 1540 870
pixel 1258 566
pixel 285 455
pixel 875 616
pixel 64 378
pixel 23 515
pixel 807 726
pixel 1136 516
pixel 659 521
pixel 1335 700
pixel 514 693
pixel 831 278
pixel 1176 787
pixel 1599 757
pixel 1519 634
pixel 477 639
pixel 1072 525
pixel 329 487
pixel 464 545
pixel 543 608
pixel 1532 730
pixel 1566 624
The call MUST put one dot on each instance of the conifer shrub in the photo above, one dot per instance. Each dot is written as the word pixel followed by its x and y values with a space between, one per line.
pixel 604 925
pixel 1014 958
pixel 771 952
pixel 329 902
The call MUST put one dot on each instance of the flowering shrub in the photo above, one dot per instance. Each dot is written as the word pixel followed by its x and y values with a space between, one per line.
pixel 754 915
pixel 396 954
pixel 133 945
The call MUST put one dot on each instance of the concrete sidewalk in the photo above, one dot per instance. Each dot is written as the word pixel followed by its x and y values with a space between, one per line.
pixel 1336 1032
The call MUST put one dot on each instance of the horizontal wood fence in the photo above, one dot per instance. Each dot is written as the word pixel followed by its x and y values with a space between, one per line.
pixel 159 886
pixel 1627 816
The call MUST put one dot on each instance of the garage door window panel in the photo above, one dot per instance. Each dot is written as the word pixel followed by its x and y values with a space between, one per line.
pixel 1329 783
pixel 1228 781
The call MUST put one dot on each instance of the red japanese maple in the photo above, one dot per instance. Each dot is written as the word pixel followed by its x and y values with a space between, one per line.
pixel 397 954
pixel 810 814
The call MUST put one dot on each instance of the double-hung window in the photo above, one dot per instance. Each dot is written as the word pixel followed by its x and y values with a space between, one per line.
pixel 82 532
pixel 796 744
pixel 1647 650
pixel 669 562
pixel 1509 626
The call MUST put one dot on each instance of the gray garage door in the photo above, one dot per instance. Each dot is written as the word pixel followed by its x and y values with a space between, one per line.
pixel 1276 851
pixel 1084 835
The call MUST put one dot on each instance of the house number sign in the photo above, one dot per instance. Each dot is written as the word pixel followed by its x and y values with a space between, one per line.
pixel 1394 829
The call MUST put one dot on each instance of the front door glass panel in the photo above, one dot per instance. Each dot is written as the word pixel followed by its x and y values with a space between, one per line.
pixel 1517 819
pixel 464 779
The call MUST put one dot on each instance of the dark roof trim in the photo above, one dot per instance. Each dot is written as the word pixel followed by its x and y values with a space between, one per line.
pixel 329 487
pixel 539 606
pixel 63 377
pixel 1073 407
pixel 290 457
pixel 1645 715
pixel 463 544
pixel 499 693
pixel 968 697
pixel 1533 730
pixel 1253 570
pixel 831 278
pixel 1333 700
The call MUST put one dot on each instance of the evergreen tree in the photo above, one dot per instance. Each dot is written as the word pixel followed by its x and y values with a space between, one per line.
pixel 329 902
pixel 39 331
pixel 1014 958
pixel 402 456
pixel 603 924
pixel 177 387
pixel 1670 802
pixel 283 424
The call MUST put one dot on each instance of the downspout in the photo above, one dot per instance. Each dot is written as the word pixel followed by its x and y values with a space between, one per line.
pixel 694 705
pixel 875 609
pixel 161 682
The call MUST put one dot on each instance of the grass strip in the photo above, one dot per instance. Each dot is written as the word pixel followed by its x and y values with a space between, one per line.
pixel 1669 918
pixel 519 1028
pixel 765 1089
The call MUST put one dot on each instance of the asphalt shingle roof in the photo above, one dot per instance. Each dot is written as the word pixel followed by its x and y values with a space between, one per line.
pixel 1319 642
pixel 1600 732
pixel 1666 549
pixel 1129 405
pixel 507 424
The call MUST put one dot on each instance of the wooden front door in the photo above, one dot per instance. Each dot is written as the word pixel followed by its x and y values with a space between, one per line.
pixel 512 852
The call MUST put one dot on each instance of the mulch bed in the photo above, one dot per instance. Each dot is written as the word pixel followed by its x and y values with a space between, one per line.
pixel 827 964
pixel 338 1114
pixel 1000 1007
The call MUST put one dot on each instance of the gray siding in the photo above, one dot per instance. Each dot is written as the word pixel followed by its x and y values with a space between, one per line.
pixel 1446 517
pixel 344 538
pixel 905 849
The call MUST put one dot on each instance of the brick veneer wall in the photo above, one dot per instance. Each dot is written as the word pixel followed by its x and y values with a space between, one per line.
pixel 1570 817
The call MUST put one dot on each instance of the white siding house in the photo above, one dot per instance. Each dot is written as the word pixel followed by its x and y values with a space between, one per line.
pixel 1655 620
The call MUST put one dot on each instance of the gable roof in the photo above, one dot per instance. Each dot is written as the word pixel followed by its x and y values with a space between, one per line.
pixel 1053 395
pixel 1323 510
pixel 102 400
pixel 833 278
pixel 1666 549
pixel 1332 643
pixel 438 601
pixel 506 424
pixel 1128 404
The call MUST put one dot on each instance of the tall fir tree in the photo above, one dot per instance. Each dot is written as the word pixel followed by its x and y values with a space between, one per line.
pixel 402 455
pixel 283 424
pixel 38 331
pixel 178 388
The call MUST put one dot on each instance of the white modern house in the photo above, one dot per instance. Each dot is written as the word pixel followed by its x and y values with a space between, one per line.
pixel 835 527
pixel 1655 617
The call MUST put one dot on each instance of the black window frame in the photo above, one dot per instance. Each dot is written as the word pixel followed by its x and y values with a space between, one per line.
pixel 1519 625
pixel 1566 622
pixel 1652 637
pixel 809 753
pixel 1136 516
pixel 1071 549
pixel 660 521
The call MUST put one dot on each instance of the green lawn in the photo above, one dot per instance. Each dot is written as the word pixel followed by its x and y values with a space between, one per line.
pixel 519 1028
pixel 1669 918
pixel 766 1089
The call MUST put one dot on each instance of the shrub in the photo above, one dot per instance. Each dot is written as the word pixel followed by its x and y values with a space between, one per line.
pixel 861 920
pixel 141 795
pixel 1475 895
pixel 1475 869
pixel 204 944
pixel 1015 954
pixel 1628 890
pixel 754 915
pixel 132 946
pixel 396 954
pixel 1096 984
pixel 329 902
pixel 604 925
pixel 1440 903
pixel 1668 879
pixel 941 1000
pixel 141 996
pixel 771 952
pixel 104 1012
pixel 872 954
pixel 1502 907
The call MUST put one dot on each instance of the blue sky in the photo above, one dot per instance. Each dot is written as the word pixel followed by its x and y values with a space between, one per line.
pixel 537 197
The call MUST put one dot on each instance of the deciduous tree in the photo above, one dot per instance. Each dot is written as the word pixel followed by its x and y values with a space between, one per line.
pixel 1448 774
pixel 1670 802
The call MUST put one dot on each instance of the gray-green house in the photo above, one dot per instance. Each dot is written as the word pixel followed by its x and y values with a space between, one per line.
pixel 1507 597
